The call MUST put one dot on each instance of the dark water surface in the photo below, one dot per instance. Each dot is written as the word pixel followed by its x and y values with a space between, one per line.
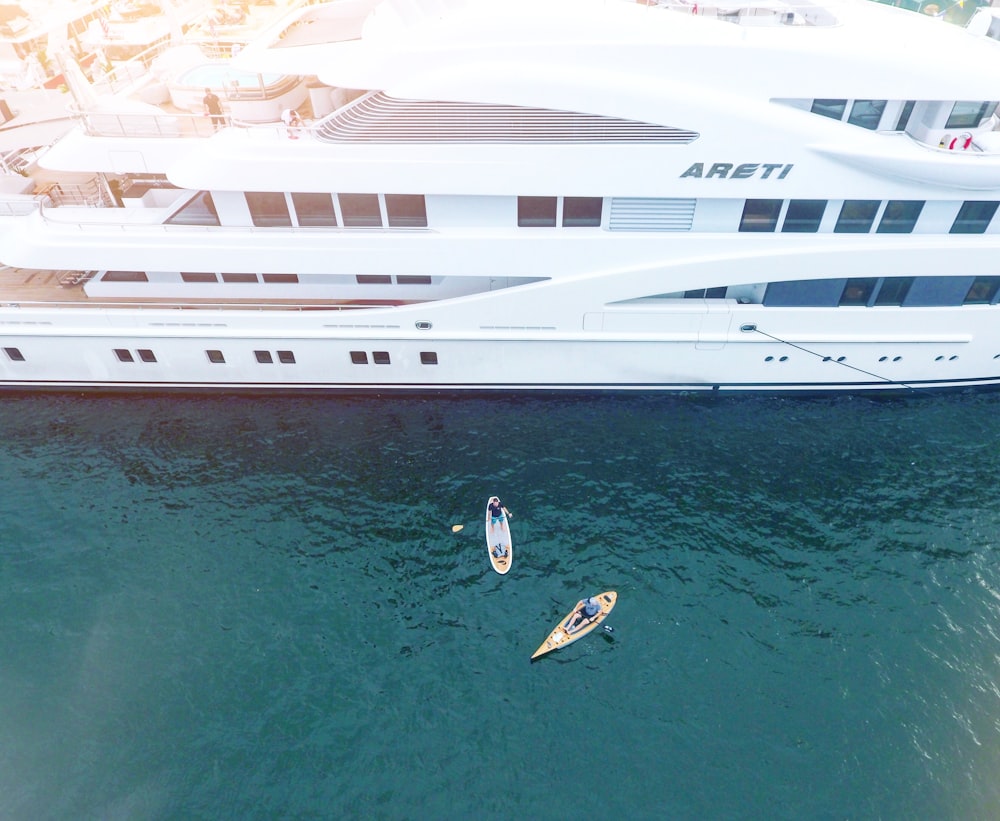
pixel 256 608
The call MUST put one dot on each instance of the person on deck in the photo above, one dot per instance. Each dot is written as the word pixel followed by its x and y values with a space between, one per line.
pixel 213 108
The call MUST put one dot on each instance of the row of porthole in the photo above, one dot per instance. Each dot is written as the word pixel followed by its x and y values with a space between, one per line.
pixel 880 359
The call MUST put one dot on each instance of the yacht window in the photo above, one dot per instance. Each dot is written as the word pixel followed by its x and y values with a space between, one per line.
pixel 858 290
pixel 14 354
pixel 373 279
pixel 268 209
pixel 238 277
pixel 893 290
pixel 146 355
pixel 973 217
pixel 812 293
pixel 360 210
pixel 803 216
pixel 406 210
pixel 198 276
pixel 579 212
pixel 314 209
pixel 380 357
pixel 124 355
pixel 938 291
pixel 286 357
pixel 900 216
pixel 413 279
pixel 904 115
pixel 280 279
pixel 263 357
pixel 969 114
pixel 215 357
pixel 536 212
pixel 428 358
pixel 760 215
pixel 124 276
pixel 867 113
pixel 856 217
pixel 983 291
pixel 830 108
pixel 706 293
pixel 199 210
pixel 359 358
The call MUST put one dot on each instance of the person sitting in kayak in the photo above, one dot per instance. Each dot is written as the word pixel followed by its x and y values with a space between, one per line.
pixel 498 513
pixel 591 607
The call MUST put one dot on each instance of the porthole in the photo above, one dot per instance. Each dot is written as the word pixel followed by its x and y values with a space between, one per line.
pixel 882 358
pixel 783 359
pixel 952 358
pixel 827 358
pixel 939 358
pixel 841 358
pixel 423 325
pixel 769 359
pixel 896 358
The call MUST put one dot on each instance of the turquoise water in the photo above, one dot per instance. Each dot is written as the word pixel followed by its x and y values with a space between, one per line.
pixel 256 608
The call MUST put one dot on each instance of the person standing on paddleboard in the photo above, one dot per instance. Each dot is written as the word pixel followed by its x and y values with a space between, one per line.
pixel 498 513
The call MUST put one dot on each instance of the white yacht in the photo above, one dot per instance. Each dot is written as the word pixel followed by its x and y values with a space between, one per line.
pixel 543 195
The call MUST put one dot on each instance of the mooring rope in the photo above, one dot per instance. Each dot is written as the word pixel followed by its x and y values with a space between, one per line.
pixel 755 329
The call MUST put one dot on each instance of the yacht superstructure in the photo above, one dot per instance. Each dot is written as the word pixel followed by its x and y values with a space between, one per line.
pixel 535 195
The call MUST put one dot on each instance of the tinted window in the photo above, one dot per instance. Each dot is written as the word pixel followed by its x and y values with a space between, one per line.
pixel 360 210
pixel 536 212
pixel 969 114
pixel 146 355
pixel 413 279
pixel 406 210
pixel 760 215
pixel 973 217
pixel 237 277
pixel 816 293
pixel 900 216
pixel 858 290
pixel 935 291
pixel 215 357
pixel 893 290
pixel 380 357
pixel 582 211
pixel 124 355
pixel 856 216
pixel 124 276
pixel 373 279
pixel 198 276
pixel 830 108
pixel 286 357
pixel 359 357
pixel 803 216
pixel 904 116
pixel 14 354
pixel 279 278
pixel 867 113
pixel 268 209
pixel 264 357
pixel 428 358
pixel 200 210
pixel 314 209
pixel 983 290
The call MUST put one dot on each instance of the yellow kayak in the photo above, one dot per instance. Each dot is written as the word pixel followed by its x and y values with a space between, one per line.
pixel 572 627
